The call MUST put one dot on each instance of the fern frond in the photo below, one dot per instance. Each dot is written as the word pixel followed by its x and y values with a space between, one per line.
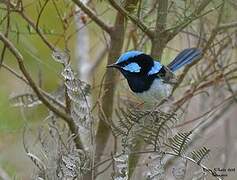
pixel 152 126
pixel 124 124
pixel 179 142
pixel 125 120
pixel 200 154
pixel 157 128
pixel 25 100
pixel 37 161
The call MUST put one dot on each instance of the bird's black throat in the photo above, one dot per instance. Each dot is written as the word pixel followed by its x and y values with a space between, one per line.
pixel 138 83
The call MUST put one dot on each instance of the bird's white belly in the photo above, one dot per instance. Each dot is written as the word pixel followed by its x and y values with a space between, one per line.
pixel 156 93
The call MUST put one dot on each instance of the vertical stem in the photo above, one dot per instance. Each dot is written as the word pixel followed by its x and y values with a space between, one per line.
pixel 103 132
pixel 159 39
pixel 158 45
pixel 117 39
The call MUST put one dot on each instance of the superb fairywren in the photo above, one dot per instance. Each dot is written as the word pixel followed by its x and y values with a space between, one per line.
pixel 149 79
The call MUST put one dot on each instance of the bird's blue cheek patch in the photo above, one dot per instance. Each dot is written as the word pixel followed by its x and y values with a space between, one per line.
pixel 155 68
pixel 132 67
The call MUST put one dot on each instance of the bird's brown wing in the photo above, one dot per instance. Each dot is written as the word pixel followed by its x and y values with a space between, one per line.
pixel 167 75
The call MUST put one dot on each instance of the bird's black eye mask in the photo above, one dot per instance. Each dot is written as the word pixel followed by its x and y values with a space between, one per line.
pixel 143 61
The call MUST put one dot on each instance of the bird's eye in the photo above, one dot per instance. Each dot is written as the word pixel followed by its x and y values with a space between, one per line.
pixel 132 67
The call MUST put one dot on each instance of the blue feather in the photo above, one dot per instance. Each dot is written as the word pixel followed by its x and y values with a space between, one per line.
pixel 130 54
pixel 187 56
pixel 155 68
pixel 132 67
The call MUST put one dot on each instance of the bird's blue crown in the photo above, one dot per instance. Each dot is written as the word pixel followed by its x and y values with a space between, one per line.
pixel 127 55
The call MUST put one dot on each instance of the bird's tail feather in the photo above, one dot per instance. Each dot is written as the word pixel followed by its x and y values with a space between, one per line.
pixel 187 56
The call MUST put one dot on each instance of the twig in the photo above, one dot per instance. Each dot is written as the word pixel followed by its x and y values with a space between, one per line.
pixel 209 41
pixel 93 16
pixel 135 20
pixel 211 172
pixel 40 13
pixel 195 15
pixel 37 29
pixel 47 95
pixel 19 9
pixel 214 108
pixel 227 26
pixel 6 33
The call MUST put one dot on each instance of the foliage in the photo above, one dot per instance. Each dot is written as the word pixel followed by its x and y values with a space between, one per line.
pixel 200 154
pixel 179 142
pixel 59 157
pixel 151 126
pixel 26 100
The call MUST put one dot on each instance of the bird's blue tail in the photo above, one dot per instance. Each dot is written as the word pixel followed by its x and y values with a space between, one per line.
pixel 187 56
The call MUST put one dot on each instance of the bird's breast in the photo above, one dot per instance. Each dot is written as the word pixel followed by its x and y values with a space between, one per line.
pixel 156 92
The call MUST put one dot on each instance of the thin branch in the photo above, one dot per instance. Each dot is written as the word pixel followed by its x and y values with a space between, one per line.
pixel 6 33
pixel 195 15
pixel 59 16
pixel 213 109
pixel 40 13
pixel 47 95
pixel 14 73
pixel 93 16
pixel 134 19
pixel 208 43
pixel 19 9
pixel 37 29
pixel 227 26
pixel 206 169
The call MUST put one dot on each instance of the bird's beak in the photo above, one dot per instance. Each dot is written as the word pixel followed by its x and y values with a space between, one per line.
pixel 113 66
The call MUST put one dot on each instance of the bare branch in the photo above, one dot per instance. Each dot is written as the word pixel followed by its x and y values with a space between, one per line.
pixel 159 39
pixel 197 13
pixel 40 13
pixel 134 19
pixel 93 16
pixel 227 26
pixel 6 33
pixel 37 29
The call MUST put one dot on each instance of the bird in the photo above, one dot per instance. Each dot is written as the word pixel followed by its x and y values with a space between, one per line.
pixel 147 78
